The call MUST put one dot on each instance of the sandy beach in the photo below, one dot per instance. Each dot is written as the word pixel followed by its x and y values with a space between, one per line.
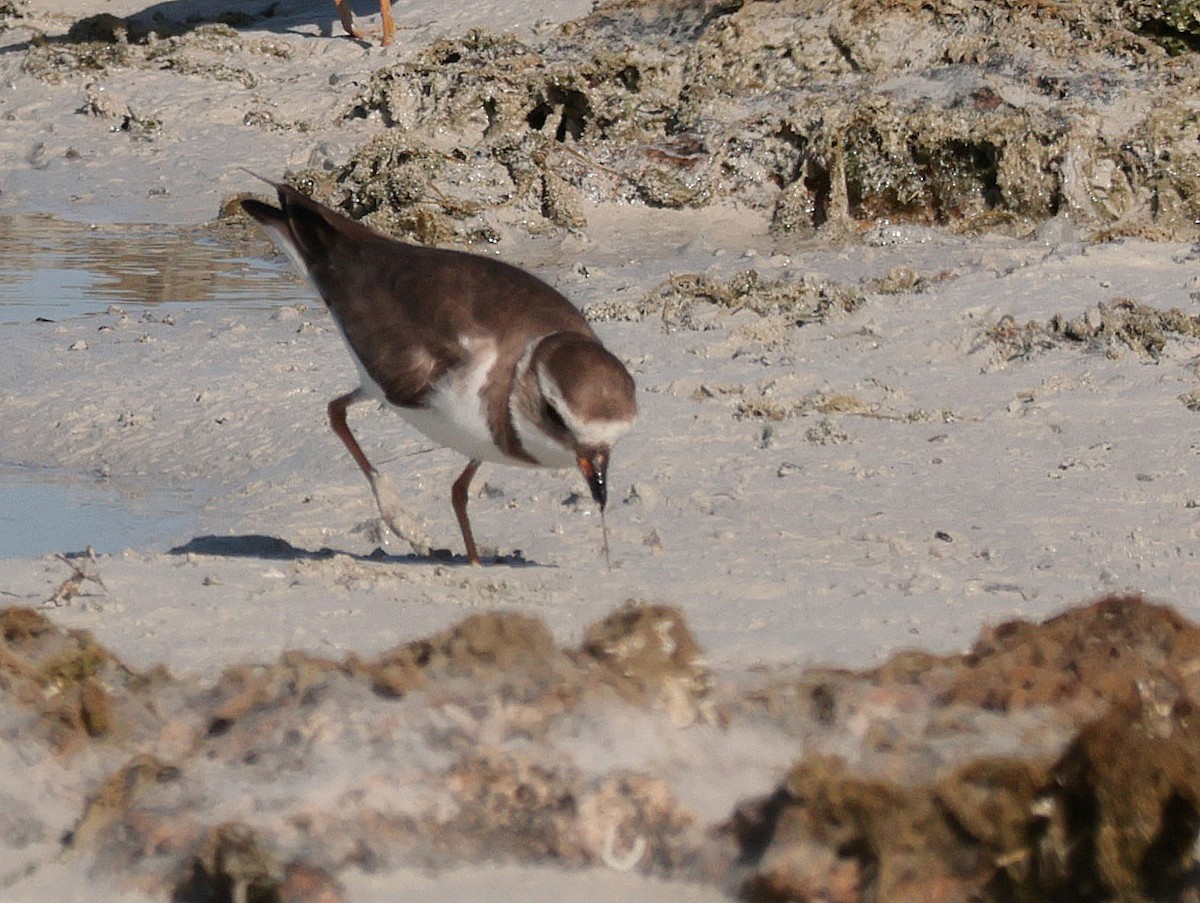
pixel 886 422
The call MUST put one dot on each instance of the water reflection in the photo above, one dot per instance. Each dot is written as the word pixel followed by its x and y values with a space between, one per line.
pixel 40 513
pixel 55 269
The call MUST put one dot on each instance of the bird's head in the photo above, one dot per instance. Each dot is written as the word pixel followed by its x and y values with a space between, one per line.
pixel 577 401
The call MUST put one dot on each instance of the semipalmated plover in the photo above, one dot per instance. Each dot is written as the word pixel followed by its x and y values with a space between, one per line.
pixel 478 355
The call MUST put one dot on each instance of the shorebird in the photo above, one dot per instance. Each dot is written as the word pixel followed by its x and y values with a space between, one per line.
pixel 347 17
pixel 478 355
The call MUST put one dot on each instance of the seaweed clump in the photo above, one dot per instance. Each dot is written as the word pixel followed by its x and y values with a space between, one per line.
pixel 98 44
pixel 1109 328
pixel 976 117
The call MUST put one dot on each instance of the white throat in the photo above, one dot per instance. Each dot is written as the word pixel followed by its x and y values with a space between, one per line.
pixel 547 451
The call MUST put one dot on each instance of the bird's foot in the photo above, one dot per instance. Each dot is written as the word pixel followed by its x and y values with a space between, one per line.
pixel 398 519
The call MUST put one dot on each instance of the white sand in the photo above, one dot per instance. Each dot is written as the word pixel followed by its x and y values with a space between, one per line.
pixel 1054 479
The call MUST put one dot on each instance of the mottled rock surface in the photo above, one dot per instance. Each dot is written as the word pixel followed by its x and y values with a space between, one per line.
pixel 1052 761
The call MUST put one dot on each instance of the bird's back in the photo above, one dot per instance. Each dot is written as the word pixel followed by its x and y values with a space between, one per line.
pixel 408 312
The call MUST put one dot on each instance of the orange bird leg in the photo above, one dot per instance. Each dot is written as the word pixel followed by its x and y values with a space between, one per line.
pixel 337 419
pixel 458 496
pixel 389 25
pixel 347 17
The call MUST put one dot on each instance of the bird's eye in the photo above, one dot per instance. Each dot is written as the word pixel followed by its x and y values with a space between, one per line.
pixel 552 416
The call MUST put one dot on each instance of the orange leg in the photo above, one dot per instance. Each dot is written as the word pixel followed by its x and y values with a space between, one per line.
pixel 391 510
pixel 385 493
pixel 458 497
pixel 347 17
pixel 389 26
pixel 337 419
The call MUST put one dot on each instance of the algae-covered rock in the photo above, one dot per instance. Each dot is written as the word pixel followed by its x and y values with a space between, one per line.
pixel 1054 761
pixel 976 116
pixel 1111 814
pixel 1121 813
pixel 652 659
pixel 68 688
pixel 1174 24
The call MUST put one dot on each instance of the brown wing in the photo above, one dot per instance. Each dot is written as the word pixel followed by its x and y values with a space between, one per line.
pixel 407 311
pixel 403 308
pixel 352 267
pixel 375 296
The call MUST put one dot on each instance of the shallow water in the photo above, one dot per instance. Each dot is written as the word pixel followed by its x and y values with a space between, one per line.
pixel 42 514
pixel 57 270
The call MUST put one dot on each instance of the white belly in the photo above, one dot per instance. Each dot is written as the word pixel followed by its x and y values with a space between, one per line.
pixel 454 414
pixel 458 423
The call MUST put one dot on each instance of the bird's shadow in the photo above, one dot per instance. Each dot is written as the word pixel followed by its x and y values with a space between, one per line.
pixel 272 548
